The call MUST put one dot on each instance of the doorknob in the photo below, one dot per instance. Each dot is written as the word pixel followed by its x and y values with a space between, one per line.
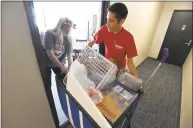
pixel 189 43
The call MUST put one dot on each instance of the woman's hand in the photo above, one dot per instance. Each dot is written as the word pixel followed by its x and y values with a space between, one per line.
pixel 63 69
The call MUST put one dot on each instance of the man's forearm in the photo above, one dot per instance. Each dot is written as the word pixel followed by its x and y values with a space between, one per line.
pixel 90 44
pixel 132 67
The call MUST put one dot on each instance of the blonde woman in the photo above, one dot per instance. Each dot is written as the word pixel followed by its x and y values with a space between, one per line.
pixel 58 46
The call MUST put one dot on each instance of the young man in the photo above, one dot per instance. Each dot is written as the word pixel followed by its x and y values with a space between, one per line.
pixel 119 43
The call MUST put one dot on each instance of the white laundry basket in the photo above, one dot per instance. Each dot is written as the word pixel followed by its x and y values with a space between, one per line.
pixel 100 70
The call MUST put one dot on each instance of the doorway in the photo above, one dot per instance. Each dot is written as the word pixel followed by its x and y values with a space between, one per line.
pixel 86 23
pixel 178 38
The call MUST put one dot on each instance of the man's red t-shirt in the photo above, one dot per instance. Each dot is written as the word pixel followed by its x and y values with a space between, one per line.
pixel 117 46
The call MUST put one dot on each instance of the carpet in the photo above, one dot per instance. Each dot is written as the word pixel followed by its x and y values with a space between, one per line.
pixel 159 106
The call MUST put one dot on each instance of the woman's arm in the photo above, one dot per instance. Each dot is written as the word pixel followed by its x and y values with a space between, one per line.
pixel 49 45
pixel 70 60
pixel 69 50
pixel 55 60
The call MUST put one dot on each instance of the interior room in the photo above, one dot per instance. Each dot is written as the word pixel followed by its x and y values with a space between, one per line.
pixel 166 101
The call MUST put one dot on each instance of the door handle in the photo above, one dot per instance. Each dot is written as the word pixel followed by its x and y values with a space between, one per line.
pixel 189 43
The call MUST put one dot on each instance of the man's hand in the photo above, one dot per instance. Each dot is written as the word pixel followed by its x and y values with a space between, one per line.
pixel 90 44
pixel 131 67
pixel 136 76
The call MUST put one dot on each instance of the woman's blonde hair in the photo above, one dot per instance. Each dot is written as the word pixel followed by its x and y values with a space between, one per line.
pixel 62 22
pixel 57 32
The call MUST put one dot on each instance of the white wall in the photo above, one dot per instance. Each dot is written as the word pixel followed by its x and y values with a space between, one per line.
pixel 186 101
pixel 24 102
pixel 164 21
pixel 142 22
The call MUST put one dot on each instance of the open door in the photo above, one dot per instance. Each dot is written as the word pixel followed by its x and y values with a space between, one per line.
pixel 85 22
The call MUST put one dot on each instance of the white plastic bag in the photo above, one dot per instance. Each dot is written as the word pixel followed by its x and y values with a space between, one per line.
pixel 129 80
pixel 80 72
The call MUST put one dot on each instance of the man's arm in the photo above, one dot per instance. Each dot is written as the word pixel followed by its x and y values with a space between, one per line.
pixel 90 44
pixel 55 60
pixel 98 37
pixel 132 67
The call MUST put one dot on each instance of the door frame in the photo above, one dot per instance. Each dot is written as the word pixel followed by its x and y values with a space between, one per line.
pixel 105 5
pixel 160 52
pixel 35 36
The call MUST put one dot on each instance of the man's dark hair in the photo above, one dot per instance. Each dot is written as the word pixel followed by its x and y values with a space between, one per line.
pixel 119 9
